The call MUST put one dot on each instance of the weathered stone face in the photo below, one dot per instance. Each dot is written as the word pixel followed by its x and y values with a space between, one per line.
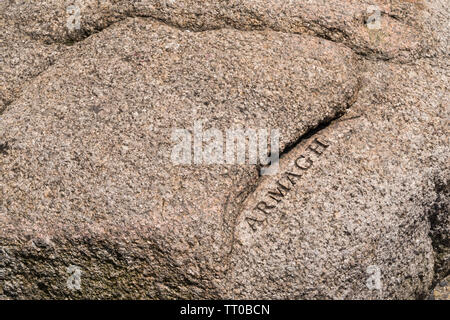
pixel 86 142
pixel 350 197
pixel 402 33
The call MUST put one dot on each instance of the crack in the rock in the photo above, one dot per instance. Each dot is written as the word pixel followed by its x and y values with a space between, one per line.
pixel 323 124
pixel 312 131
pixel 22 87
pixel 364 52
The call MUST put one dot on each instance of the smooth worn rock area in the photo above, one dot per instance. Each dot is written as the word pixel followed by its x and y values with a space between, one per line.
pixel 92 204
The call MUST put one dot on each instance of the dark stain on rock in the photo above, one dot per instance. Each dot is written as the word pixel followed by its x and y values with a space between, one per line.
pixel 4 147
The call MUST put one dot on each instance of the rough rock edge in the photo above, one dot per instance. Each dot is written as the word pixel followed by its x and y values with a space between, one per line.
pixel 326 33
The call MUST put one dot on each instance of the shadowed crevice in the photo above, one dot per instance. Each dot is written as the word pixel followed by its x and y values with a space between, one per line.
pixel 438 217
pixel 318 30
pixel 230 219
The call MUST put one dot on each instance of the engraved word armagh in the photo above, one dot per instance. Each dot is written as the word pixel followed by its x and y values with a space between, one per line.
pixel 285 184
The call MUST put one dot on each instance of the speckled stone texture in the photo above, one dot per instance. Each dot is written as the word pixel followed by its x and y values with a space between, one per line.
pixel 361 202
pixel 85 142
